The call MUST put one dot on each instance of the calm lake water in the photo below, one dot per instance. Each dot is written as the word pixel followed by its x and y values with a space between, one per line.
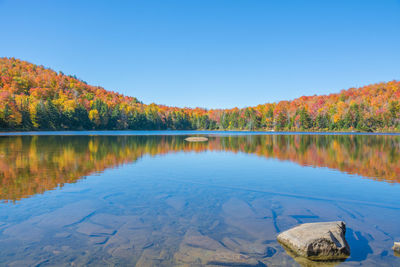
pixel 153 199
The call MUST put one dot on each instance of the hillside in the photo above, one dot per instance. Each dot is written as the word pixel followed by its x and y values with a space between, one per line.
pixel 36 98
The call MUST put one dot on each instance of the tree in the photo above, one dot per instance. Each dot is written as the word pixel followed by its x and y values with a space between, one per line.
pixel 94 117
pixel 281 121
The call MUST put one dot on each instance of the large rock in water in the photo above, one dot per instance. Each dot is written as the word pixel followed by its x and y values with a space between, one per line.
pixel 396 248
pixel 317 241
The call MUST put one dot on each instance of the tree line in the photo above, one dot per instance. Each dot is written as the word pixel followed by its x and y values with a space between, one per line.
pixel 33 97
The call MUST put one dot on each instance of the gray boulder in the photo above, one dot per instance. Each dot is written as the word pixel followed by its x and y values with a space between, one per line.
pixel 396 248
pixel 196 139
pixel 317 241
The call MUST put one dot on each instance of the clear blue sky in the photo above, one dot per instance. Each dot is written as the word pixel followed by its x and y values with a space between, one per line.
pixel 209 53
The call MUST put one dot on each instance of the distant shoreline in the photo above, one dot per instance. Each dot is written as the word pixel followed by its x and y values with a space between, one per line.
pixel 183 132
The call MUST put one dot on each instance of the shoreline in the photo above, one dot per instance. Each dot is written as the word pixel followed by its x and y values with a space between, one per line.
pixel 186 132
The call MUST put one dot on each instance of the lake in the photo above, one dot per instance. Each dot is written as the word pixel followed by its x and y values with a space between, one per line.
pixel 153 199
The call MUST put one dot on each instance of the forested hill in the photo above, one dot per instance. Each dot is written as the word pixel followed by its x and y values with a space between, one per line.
pixel 36 98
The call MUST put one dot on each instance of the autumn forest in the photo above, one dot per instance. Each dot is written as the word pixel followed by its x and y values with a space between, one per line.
pixel 33 97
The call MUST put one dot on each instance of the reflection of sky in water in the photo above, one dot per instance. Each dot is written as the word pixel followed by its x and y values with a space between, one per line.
pixel 250 172
pixel 187 208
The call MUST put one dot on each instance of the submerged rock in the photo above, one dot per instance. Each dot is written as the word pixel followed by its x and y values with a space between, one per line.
pixel 256 249
pixel 306 262
pixel 197 249
pixel 317 241
pixel 196 139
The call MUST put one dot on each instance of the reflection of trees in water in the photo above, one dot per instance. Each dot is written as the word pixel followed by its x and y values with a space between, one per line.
pixel 34 164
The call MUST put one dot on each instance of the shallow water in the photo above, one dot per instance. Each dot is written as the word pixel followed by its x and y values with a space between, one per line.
pixel 157 200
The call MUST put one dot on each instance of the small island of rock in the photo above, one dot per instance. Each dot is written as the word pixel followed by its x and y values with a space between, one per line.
pixel 196 139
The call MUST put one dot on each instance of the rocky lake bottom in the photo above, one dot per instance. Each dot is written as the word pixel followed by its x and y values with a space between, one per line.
pixel 171 203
